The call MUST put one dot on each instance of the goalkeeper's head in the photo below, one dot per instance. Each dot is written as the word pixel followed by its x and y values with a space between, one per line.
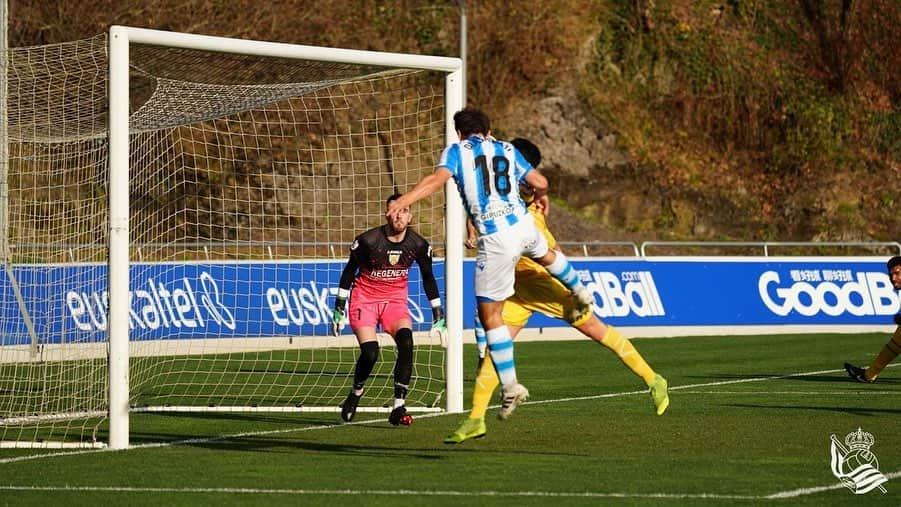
pixel 533 156
pixel 894 271
pixel 398 223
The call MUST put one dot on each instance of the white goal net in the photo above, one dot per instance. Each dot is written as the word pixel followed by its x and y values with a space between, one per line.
pixel 249 175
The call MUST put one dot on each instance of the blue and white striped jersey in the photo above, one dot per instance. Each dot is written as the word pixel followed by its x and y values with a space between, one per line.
pixel 488 173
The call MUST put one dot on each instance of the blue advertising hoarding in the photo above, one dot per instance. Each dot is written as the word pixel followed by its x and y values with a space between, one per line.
pixel 240 299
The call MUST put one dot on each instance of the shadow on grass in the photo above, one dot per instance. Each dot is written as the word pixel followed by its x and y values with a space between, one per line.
pixel 858 411
pixel 376 429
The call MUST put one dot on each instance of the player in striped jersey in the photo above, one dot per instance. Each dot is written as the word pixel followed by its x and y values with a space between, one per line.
pixel 488 173
pixel 378 269
pixel 536 291
pixel 893 347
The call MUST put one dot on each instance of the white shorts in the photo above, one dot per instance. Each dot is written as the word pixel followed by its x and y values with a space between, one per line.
pixel 498 254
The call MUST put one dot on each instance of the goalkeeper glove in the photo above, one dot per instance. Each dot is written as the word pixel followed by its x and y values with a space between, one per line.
pixel 338 316
pixel 439 327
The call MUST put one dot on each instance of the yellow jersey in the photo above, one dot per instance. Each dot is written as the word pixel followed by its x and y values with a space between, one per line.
pixel 526 267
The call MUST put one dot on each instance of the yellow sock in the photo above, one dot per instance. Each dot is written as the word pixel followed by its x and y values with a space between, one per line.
pixel 623 348
pixel 486 382
pixel 888 354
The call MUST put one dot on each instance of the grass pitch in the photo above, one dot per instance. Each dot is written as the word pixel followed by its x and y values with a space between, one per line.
pixel 749 423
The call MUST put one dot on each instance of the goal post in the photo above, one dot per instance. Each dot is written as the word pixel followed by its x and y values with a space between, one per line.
pixel 121 39
pixel 178 236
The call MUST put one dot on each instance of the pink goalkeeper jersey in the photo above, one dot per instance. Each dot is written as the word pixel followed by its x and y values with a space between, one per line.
pixel 383 267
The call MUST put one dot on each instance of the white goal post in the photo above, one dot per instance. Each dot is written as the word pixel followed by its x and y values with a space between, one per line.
pixel 121 39
pixel 202 165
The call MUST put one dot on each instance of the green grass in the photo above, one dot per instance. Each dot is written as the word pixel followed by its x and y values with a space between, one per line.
pixel 750 417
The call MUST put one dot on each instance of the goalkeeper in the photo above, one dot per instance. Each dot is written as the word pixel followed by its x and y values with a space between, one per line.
pixel 536 290
pixel 891 349
pixel 378 269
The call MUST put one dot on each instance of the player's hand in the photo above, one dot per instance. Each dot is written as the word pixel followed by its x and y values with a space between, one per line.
pixel 543 204
pixel 338 321
pixel 898 319
pixel 439 329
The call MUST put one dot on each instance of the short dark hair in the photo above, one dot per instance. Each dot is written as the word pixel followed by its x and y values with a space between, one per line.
pixel 894 261
pixel 471 121
pixel 528 149
pixel 393 197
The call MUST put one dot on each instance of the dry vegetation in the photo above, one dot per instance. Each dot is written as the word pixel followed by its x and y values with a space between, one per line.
pixel 745 120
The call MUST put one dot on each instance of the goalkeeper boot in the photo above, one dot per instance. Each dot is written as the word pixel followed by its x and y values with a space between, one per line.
pixel 471 428
pixel 400 417
pixel 349 407
pixel 858 374
pixel 659 394
pixel 512 398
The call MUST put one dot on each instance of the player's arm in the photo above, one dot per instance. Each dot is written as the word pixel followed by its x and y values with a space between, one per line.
pixel 472 235
pixel 540 185
pixel 426 187
pixel 347 280
pixel 424 260
pixel 344 285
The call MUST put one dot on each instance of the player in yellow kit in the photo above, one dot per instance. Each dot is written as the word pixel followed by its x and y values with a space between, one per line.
pixel 537 291
pixel 893 347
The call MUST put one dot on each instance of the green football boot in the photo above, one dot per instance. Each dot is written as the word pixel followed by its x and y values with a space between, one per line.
pixel 659 394
pixel 471 428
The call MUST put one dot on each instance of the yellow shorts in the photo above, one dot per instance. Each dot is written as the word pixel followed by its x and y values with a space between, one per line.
pixel 544 294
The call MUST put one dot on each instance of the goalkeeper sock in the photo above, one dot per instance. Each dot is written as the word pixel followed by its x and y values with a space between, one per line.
pixel 562 270
pixel 400 395
pixel 369 354
pixel 888 354
pixel 623 348
pixel 486 382
pixel 500 348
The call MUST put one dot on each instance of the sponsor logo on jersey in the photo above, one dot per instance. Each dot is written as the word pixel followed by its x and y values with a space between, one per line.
pixel 509 209
pixel 389 273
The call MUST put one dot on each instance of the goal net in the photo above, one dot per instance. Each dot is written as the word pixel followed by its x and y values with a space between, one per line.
pixel 249 169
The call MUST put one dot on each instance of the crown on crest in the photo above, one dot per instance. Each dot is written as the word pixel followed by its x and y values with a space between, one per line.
pixel 859 440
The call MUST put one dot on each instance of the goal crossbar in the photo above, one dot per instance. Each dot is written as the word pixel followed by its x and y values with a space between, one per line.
pixel 120 40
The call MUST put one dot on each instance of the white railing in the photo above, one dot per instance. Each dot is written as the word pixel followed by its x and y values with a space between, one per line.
pixel 338 249
pixel 766 247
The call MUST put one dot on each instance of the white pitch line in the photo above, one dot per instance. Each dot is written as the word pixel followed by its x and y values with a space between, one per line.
pixel 194 441
pixel 779 495
pixel 805 393
pixel 809 491
pixel 437 493
pixel 690 386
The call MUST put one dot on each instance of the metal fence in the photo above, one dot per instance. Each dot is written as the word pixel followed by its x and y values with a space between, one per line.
pixel 242 250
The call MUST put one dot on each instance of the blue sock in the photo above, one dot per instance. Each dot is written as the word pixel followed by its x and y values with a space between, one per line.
pixel 481 339
pixel 562 270
pixel 500 346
